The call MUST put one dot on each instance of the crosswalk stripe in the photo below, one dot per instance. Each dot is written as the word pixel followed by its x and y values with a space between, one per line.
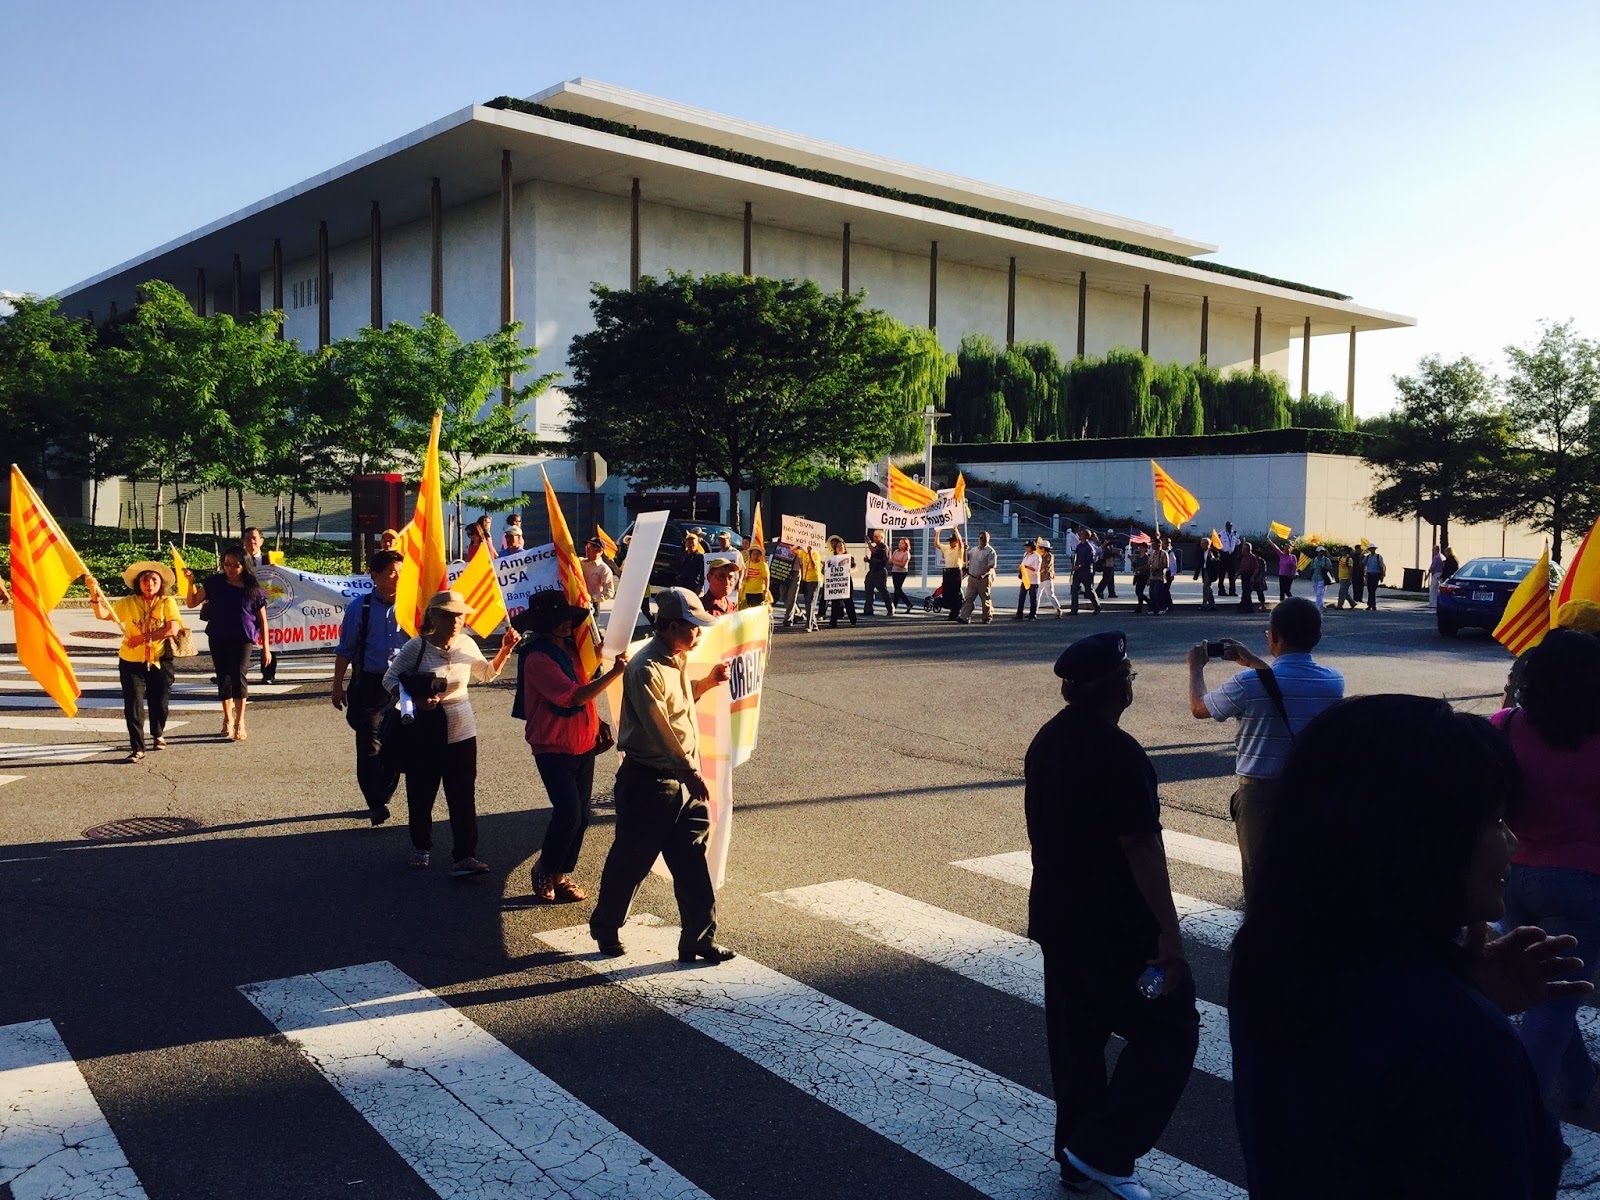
pixel 10 688
pixel 1214 925
pixel 71 724
pixel 55 1143
pixel 70 752
pixel 93 701
pixel 993 957
pixel 989 1132
pixel 468 1115
pixel 1202 852
pixel 5 779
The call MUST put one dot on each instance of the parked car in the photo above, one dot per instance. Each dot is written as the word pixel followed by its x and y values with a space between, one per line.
pixel 665 571
pixel 1476 595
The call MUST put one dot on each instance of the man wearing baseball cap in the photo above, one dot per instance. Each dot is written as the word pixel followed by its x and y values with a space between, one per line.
pixel 661 797
pixel 1101 909
pixel 721 596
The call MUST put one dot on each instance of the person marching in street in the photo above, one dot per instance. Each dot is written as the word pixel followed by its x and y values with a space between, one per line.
pixel 478 535
pixel 511 537
pixel 1141 577
pixel 149 619
pixel 255 558
pixel 1374 573
pixel 1209 564
pixel 1107 587
pixel 1358 574
pixel 1288 564
pixel 1345 569
pixel 1028 575
pixel 234 609
pixel 1232 556
pixel 954 552
pixel 563 728
pixel 899 568
pixel 847 605
pixel 809 564
pixel 598 576
pixel 1047 576
pixel 435 668
pixel 662 799
pixel 369 637
pixel 1094 825
pixel 721 596
pixel 1273 702
pixel 1321 573
pixel 877 581
pixel 691 570
pixel 982 564
pixel 753 586
pixel 1083 556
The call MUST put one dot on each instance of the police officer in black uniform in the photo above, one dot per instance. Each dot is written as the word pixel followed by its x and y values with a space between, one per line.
pixel 1101 910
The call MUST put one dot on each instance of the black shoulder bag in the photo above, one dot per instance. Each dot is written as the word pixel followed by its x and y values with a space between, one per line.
pixel 1269 684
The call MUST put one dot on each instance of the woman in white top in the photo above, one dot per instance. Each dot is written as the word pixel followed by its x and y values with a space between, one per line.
pixel 442 741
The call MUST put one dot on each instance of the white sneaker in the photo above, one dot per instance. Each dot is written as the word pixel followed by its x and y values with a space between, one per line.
pixel 1126 1186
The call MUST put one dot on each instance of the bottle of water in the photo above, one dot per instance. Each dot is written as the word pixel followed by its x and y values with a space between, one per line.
pixel 1151 982
pixel 408 706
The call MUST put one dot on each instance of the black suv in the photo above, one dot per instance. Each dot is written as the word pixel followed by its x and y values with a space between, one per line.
pixel 664 573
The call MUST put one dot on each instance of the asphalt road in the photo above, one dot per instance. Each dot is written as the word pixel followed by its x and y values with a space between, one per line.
pixel 887 753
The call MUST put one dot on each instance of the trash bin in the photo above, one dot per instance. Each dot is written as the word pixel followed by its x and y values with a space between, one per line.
pixel 1411 579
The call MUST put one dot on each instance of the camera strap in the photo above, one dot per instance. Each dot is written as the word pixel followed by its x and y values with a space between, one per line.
pixel 1269 684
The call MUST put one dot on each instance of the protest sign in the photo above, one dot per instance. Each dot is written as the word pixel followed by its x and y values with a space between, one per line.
pixel 836 577
pixel 797 531
pixel 944 513
pixel 304 609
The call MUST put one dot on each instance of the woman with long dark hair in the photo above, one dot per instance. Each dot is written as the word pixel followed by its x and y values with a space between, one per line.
pixel 564 730
pixel 1555 872
pixel 235 612
pixel 1367 1007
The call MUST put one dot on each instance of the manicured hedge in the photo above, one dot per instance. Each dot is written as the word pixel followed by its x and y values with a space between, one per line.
pixel 585 121
pixel 1266 441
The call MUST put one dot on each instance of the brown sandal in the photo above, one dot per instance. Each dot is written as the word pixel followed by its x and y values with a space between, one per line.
pixel 542 889
pixel 567 892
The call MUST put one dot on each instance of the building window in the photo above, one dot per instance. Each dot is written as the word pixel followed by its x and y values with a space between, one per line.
pixel 305 293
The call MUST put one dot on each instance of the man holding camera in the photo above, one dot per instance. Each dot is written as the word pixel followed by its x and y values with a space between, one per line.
pixel 1273 702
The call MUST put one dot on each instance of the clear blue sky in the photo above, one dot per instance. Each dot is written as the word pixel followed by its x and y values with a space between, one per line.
pixel 1437 159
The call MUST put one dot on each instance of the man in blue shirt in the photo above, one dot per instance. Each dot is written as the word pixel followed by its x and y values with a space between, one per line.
pixel 1273 702
pixel 368 636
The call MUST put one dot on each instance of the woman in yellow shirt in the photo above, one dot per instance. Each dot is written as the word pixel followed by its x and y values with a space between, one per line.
pixel 149 620
pixel 754 589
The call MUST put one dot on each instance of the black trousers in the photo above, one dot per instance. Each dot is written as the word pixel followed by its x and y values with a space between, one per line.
pixel 1372 592
pixel 898 578
pixel 1140 582
pixel 1029 597
pixel 569 782
pixel 845 607
pixel 655 816
pixel 877 584
pixel 1110 1123
pixel 432 761
pixel 142 686
pixel 1107 587
pixel 1083 581
pixel 1285 586
pixel 364 704
pixel 1230 571
pixel 950 590
pixel 230 658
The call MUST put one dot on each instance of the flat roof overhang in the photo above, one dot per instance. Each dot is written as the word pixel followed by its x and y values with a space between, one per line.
pixel 464 149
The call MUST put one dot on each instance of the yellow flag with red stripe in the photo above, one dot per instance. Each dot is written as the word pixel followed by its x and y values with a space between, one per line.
pixel 755 531
pixel 43 566
pixel 423 571
pixel 1527 615
pixel 1179 504
pixel 481 587
pixel 572 584
pixel 959 493
pixel 1582 580
pixel 607 546
pixel 907 492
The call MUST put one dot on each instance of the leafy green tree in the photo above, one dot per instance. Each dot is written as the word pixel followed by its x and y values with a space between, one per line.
pixel 1320 411
pixel 46 375
pixel 758 381
pixel 975 395
pixel 1551 478
pixel 1441 442
pixel 925 368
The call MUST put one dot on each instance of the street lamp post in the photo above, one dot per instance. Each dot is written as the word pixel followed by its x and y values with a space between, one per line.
pixel 930 418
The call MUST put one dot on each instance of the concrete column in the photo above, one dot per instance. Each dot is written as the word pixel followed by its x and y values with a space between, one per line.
pixel 1205 326
pixel 1305 361
pixel 844 286
pixel 1144 324
pixel 200 292
pixel 376 317
pixel 1083 307
pixel 1350 383
pixel 324 317
pixel 633 237
pixel 748 222
pixel 1011 303
pixel 277 278
pixel 1256 354
pixel 933 286
pixel 507 307
pixel 436 268
pixel 238 286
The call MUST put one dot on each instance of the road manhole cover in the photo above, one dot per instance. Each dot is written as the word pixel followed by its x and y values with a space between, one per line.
pixel 96 633
pixel 141 827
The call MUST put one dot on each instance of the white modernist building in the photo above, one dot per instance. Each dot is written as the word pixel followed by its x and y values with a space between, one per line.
pixel 511 210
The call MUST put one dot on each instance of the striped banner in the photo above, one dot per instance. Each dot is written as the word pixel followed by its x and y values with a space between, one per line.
pixel 1527 615
pixel 1179 504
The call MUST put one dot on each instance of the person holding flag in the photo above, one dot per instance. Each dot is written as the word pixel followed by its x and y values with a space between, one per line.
pixel 423 570
pixel 149 619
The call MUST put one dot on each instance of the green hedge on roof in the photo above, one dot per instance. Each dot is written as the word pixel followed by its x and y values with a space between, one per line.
pixel 1262 441
pixel 585 121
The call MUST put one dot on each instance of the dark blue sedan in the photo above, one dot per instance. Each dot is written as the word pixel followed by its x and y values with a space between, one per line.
pixel 1478 592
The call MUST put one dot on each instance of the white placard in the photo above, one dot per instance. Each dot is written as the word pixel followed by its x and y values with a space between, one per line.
pixel 836 577
pixel 798 531
pixel 944 513
pixel 642 546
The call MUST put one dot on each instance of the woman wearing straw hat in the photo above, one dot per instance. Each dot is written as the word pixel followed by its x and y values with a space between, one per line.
pixel 565 732
pixel 149 618
pixel 442 740
pixel 235 612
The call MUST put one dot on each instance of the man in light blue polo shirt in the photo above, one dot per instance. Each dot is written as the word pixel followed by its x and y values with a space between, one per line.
pixel 368 635
pixel 1273 702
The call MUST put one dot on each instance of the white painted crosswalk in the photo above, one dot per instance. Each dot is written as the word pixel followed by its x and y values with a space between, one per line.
pixel 55 1143
pixel 468 1115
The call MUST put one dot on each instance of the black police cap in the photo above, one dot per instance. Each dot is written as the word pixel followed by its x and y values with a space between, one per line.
pixel 1091 657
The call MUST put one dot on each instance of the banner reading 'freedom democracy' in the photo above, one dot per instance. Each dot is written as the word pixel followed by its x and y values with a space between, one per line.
pixel 304 609
pixel 944 513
